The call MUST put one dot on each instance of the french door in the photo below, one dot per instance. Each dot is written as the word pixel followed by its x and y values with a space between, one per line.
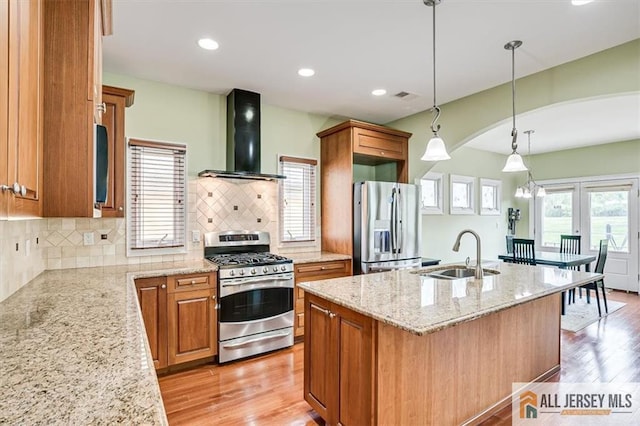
pixel 596 210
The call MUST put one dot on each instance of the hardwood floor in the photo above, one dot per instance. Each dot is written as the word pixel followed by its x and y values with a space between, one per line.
pixel 268 390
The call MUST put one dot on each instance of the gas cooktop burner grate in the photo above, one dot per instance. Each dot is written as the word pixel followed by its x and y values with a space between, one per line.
pixel 247 259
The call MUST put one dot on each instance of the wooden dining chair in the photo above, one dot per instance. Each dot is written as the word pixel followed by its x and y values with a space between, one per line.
pixel 602 259
pixel 570 244
pixel 524 251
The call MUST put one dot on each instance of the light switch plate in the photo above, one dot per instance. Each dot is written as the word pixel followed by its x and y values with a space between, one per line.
pixel 195 236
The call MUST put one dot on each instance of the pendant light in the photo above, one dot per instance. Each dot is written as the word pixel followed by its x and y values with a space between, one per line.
pixel 514 161
pixel 436 149
pixel 531 187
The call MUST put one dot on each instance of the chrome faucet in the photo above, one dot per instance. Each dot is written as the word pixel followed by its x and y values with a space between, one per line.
pixel 456 247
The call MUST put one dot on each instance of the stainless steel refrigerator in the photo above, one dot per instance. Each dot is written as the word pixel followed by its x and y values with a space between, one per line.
pixel 386 224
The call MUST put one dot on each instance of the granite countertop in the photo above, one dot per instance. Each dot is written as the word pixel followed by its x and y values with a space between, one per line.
pixel 420 304
pixel 316 256
pixel 73 348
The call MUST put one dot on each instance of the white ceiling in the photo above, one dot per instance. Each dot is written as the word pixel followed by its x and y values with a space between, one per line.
pixel 356 46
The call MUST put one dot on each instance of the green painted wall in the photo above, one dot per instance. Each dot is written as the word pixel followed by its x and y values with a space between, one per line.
pixel 171 113
pixel 439 231
pixel 599 160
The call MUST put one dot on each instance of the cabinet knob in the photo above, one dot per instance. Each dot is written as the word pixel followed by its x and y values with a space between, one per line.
pixel 120 208
pixel 193 282
pixel 381 152
pixel 16 188
pixel 213 297
pixel 331 315
pixel 163 286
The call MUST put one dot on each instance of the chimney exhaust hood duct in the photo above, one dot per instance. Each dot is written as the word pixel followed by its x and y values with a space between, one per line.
pixel 243 139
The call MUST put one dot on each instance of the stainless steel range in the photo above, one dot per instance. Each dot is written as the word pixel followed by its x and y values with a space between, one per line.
pixel 255 294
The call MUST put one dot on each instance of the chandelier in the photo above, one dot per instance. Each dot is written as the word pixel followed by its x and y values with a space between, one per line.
pixel 531 186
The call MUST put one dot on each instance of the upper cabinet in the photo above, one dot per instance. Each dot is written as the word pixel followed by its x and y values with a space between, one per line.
pixel 115 100
pixel 73 33
pixel 21 94
pixel 342 146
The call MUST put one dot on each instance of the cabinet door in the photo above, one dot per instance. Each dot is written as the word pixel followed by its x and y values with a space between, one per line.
pixel 192 325
pixel 381 145
pixel 113 120
pixel 320 360
pixel 152 297
pixel 354 340
pixel 25 105
pixel 4 102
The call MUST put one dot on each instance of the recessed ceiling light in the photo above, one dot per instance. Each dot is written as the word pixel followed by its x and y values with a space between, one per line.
pixel 306 72
pixel 208 44
pixel 580 2
pixel 379 92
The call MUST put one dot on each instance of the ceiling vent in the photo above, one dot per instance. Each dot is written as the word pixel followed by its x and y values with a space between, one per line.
pixel 406 96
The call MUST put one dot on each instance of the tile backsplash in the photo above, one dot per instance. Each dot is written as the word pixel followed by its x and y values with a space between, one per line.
pixel 22 253
pixel 28 247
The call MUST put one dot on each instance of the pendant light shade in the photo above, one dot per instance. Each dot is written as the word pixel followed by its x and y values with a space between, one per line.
pixel 531 186
pixel 436 149
pixel 541 192
pixel 514 164
pixel 514 161
pixel 519 192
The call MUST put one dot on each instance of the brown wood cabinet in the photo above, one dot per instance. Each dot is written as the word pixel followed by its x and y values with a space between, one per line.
pixel 21 47
pixel 342 146
pixel 313 272
pixel 180 317
pixel 115 100
pixel 72 102
pixel 152 297
pixel 339 363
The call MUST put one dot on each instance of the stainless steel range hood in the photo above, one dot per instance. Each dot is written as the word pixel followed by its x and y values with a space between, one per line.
pixel 243 139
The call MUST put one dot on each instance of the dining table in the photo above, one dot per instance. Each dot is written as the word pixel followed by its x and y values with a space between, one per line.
pixel 560 260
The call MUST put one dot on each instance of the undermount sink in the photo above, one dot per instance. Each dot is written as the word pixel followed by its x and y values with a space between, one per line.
pixel 457 273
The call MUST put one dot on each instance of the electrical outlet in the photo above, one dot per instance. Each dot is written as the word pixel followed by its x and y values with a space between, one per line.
pixel 87 238
pixel 195 236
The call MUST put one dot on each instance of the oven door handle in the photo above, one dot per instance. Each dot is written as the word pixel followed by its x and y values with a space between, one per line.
pixel 259 339
pixel 251 280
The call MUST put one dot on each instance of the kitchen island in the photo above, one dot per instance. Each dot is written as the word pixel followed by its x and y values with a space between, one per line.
pixel 403 347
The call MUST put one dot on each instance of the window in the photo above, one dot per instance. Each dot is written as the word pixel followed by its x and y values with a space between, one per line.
pixel 557 215
pixel 431 184
pixel 461 197
pixel 297 199
pixel 156 198
pixel 490 196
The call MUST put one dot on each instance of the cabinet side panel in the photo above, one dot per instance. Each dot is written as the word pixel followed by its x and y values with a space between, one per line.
pixel 337 192
pixel 450 376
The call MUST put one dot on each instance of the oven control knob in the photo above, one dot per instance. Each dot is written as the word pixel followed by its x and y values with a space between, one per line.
pixel 275 269
pixel 253 271
pixel 232 272
pixel 283 268
pixel 241 271
pixel 265 270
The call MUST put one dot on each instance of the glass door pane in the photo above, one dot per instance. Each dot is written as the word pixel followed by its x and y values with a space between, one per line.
pixel 609 219
pixel 557 217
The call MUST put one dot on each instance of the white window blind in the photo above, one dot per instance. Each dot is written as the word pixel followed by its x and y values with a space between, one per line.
pixel 297 199
pixel 157 196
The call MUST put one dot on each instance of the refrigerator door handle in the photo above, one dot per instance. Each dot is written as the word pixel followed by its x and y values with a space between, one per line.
pixel 399 215
pixel 394 231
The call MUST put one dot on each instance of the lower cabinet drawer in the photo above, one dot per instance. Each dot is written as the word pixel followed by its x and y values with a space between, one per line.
pixel 191 282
